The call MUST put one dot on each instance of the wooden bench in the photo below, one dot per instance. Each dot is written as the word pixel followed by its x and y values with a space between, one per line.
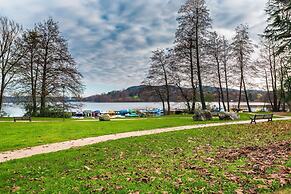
pixel 22 119
pixel 269 117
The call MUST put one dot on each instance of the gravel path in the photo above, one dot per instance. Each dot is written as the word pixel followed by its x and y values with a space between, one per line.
pixel 49 148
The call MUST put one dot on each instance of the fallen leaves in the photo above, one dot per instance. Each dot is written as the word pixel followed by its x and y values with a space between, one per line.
pixel 259 160
pixel 87 168
pixel 15 189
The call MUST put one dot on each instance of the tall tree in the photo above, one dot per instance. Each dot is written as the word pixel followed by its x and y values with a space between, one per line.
pixel 58 70
pixel 10 54
pixel 242 48
pixel 30 70
pixel 215 51
pixel 194 24
pixel 287 86
pixel 179 78
pixel 279 23
pixel 278 32
pixel 226 54
pixel 160 68
pixel 185 62
pixel 274 72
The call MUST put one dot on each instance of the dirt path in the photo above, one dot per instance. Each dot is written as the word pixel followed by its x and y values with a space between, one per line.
pixel 49 148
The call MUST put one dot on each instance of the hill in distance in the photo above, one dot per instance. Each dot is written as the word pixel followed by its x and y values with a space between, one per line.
pixel 144 93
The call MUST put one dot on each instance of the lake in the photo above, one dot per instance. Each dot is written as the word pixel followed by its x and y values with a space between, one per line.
pixel 17 110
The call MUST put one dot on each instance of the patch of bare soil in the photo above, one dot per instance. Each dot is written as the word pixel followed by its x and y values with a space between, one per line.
pixel 282 113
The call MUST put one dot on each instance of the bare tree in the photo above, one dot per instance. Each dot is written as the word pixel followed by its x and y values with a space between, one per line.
pixel 215 51
pixel 10 54
pixel 160 67
pixel 270 63
pixel 179 78
pixel 185 63
pixel 30 70
pixel 154 83
pixel 194 23
pixel 58 69
pixel 242 48
pixel 226 54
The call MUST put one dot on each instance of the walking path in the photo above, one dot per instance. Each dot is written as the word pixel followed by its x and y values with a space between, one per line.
pixel 49 148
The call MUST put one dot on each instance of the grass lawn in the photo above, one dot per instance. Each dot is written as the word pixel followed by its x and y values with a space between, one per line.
pixel 232 159
pixel 20 135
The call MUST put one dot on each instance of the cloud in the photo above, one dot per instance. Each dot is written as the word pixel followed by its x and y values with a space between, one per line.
pixel 112 40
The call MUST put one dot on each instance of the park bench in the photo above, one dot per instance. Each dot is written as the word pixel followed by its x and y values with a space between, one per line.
pixel 22 119
pixel 253 118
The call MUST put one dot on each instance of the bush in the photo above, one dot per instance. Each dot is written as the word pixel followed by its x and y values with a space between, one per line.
pixel 202 115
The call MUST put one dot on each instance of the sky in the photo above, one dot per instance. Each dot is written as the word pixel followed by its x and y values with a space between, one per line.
pixel 112 40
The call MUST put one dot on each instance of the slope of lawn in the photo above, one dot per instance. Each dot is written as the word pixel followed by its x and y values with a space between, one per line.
pixel 20 135
pixel 232 159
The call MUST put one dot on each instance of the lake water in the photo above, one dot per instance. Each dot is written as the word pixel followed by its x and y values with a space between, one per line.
pixel 17 110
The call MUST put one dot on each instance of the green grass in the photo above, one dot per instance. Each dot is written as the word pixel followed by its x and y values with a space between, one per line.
pixel 175 162
pixel 35 119
pixel 21 135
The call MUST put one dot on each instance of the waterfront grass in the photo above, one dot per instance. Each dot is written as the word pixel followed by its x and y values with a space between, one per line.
pixel 21 135
pixel 205 160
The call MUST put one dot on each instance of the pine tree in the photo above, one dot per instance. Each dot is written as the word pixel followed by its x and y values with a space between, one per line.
pixel 279 24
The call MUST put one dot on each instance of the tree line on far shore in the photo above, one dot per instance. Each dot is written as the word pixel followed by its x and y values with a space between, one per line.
pixel 37 64
pixel 202 57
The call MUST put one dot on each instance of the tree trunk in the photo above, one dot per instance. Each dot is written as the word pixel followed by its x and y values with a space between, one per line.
pixel 240 94
pixel 268 90
pixel 283 94
pixel 247 98
pixel 194 100
pixel 241 78
pixel 167 90
pixel 226 87
pixel 1 100
pixel 219 99
pixel 185 97
pixel 33 86
pixel 162 99
pixel 43 93
pixel 43 84
pixel 220 83
pixel 2 87
pixel 198 63
pixel 274 82
pixel 192 79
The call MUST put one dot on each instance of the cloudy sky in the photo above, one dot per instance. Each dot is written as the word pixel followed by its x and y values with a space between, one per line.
pixel 112 40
